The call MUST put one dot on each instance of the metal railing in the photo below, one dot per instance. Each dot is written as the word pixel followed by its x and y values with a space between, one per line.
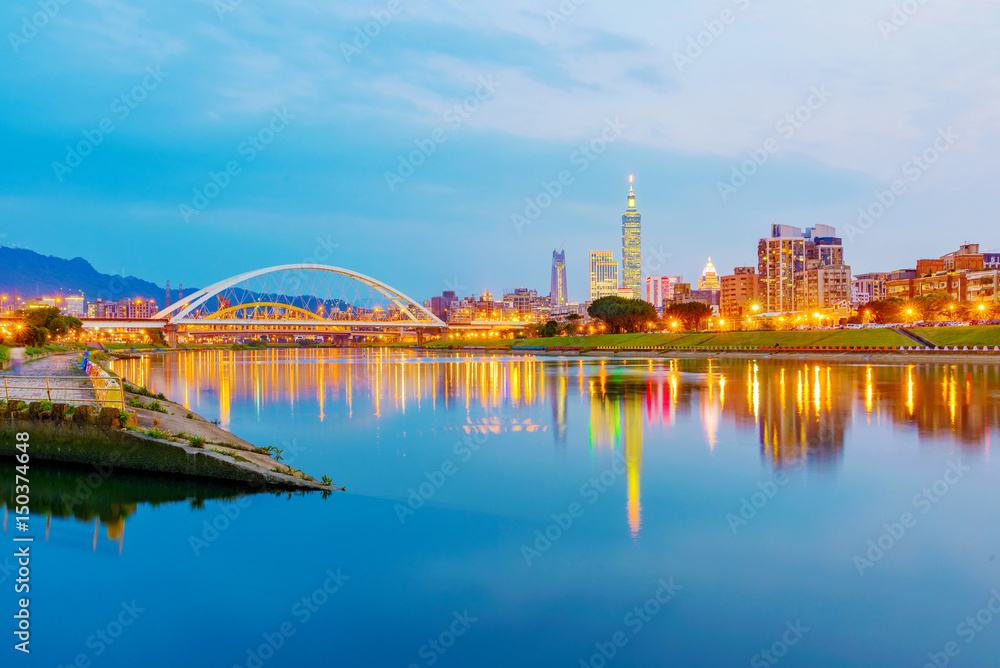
pixel 98 390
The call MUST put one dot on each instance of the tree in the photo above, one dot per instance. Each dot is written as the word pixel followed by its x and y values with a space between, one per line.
pixel 621 315
pixel 690 314
pixel 39 323
pixel 933 306
pixel 551 328
pixel 885 310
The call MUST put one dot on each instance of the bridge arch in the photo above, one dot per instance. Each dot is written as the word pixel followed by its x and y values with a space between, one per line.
pixel 296 288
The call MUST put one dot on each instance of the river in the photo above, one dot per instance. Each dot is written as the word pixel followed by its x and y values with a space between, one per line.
pixel 523 511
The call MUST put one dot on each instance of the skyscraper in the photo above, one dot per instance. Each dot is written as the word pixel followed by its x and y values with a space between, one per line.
pixel 557 291
pixel 603 274
pixel 632 246
pixel 709 281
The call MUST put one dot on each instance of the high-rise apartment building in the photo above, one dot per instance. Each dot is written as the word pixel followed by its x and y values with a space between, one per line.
pixel 557 290
pixel 603 274
pixel 632 246
pixel 803 270
pixel 739 293
pixel 779 258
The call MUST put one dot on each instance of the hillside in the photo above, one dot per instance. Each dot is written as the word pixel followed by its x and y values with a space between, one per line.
pixel 30 274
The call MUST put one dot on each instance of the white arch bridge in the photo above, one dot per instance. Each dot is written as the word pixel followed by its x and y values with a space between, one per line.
pixel 293 300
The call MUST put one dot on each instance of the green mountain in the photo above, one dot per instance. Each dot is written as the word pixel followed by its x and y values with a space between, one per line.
pixel 30 274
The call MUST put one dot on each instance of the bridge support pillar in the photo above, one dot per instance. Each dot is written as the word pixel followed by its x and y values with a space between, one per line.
pixel 420 337
pixel 170 334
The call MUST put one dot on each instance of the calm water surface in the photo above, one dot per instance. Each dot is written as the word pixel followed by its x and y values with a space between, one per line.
pixel 507 511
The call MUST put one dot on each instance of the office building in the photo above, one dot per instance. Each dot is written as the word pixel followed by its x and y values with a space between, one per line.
pixel 557 290
pixel 603 274
pixel 632 246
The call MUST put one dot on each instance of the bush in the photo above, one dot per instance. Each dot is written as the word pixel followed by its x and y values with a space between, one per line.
pixel 156 432
pixel 197 441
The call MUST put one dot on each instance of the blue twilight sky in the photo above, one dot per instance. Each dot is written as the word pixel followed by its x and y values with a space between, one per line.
pixel 334 113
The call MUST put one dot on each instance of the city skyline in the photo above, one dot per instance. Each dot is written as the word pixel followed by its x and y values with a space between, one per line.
pixel 533 115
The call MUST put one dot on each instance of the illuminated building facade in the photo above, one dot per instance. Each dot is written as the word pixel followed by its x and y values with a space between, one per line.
pixel 603 274
pixel 137 308
pixel 739 293
pixel 659 288
pixel 709 281
pixel 557 289
pixel 868 288
pixel 779 258
pixel 632 246
pixel 803 270
pixel 964 274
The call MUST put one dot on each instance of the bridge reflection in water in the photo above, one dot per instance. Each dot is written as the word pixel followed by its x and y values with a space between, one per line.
pixel 798 411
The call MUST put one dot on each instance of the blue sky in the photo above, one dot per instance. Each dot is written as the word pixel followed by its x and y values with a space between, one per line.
pixel 332 115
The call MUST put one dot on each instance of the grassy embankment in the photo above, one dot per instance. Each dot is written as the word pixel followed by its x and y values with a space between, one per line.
pixel 735 340
pixel 979 335
pixel 4 353
pixel 53 348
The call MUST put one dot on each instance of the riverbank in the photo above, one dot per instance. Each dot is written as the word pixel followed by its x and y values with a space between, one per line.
pixel 950 342
pixel 154 434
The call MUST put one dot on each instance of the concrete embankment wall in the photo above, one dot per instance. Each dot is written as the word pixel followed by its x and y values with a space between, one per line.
pixel 83 443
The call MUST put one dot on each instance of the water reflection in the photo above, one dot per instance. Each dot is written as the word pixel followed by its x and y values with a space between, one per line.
pixel 799 411
pixel 102 496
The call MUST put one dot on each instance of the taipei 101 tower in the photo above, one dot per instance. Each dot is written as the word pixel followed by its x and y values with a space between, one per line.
pixel 632 246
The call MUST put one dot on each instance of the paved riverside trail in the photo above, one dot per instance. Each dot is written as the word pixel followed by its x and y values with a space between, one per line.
pixel 78 391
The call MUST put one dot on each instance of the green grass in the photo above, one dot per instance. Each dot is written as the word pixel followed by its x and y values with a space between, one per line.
pixel 979 335
pixel 4 353
pixel 47 348
pixel 129 346
pixel 833 338
pixel 986 335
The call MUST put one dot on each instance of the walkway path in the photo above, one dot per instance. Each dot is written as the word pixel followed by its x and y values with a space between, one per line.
pixel 21 382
